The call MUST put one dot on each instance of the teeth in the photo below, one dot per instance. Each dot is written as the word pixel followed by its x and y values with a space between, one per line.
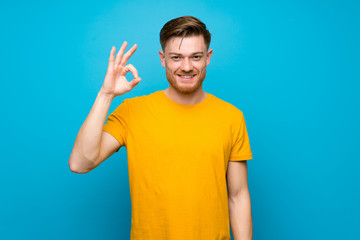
pixel 186 76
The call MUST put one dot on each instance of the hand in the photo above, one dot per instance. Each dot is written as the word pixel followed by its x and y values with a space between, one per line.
pixel 115 82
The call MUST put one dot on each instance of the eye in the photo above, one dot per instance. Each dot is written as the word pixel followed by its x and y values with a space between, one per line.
pixel 175 58
pixel 196 57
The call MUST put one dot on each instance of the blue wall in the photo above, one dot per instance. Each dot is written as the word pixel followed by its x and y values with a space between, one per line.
pixel 292 67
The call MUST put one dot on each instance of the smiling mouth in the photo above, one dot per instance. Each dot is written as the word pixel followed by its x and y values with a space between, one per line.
pixel 187 76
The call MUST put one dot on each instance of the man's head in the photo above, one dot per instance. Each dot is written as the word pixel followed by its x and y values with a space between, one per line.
pixel 185 42
pixel 186 26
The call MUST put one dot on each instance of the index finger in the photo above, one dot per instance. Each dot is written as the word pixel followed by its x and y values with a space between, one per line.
pixel 120 54
pixel 127 55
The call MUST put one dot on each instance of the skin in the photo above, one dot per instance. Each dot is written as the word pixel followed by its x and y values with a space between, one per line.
pixel 93 145
pixel 239 200
pixel 185 56
pixel 115 82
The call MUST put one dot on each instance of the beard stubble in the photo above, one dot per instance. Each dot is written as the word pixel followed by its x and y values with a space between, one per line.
pixel 186 89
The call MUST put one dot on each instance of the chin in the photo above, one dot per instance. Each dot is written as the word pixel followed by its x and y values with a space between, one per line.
pixel 185 90
pixel 183 87
pixel 175 82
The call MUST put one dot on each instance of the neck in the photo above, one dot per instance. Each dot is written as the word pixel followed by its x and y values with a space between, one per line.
pixel 186 99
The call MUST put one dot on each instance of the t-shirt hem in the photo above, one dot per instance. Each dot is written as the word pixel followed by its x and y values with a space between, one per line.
pixel 110 131
pixel 241 158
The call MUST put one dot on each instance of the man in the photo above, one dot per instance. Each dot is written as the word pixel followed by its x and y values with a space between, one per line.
pixel 187 149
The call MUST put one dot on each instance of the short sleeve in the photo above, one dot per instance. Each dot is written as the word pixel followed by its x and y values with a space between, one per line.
pixel 240 143
pixel 117 121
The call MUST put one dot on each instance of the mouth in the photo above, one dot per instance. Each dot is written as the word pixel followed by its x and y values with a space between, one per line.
pixel 186 76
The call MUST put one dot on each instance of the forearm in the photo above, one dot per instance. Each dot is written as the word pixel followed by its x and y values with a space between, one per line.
pixel 87 143
pixel 240 216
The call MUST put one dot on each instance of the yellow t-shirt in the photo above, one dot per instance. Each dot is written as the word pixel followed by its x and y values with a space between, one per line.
pixel 177 162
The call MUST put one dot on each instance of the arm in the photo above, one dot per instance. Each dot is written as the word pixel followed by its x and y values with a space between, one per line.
pixel 239 200
pixel 93 145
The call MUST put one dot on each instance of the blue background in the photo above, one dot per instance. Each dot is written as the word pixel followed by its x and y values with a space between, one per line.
pixel 291 67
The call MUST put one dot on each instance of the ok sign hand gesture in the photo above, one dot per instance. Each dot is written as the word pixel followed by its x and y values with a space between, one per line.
pixel 115 82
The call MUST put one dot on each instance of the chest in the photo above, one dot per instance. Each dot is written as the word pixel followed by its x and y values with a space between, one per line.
pixel 185 134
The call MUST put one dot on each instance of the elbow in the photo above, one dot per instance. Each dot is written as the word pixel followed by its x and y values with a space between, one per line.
pixel 76 165
pixel 75 169
pixel 239 196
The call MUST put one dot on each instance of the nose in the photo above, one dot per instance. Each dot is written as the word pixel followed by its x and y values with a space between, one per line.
pixel 186 65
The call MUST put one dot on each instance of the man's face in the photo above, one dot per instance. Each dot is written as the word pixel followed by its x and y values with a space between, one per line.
pixel 185 61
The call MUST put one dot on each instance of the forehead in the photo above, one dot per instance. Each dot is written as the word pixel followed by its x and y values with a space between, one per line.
pixel 186 45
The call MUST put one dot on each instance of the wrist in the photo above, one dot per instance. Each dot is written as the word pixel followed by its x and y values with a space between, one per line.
pixel 106 96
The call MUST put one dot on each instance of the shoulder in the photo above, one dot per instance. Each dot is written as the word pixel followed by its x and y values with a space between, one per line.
pixel 142 99
pixel 140 104
pixel 226 108
pixel 134 104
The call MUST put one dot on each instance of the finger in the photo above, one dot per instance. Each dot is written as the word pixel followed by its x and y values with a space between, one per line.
pixel 120 54
pixel 130 68
pixel 134 82
pixel 128 55
pixel 111 58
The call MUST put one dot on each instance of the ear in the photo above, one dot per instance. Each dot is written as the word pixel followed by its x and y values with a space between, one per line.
pixel 162 58
pixel 208 56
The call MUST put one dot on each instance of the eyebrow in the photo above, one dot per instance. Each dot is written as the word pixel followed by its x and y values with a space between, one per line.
pixel 195 53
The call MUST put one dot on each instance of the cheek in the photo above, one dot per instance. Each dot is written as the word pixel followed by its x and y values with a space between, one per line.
pixel 200 66
pixel 171 67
